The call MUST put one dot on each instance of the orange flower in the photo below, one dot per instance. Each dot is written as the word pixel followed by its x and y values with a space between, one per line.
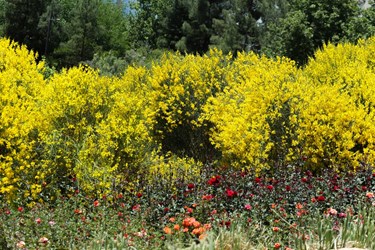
pixel 196 224
pixel 299 206
pixel 207 226
pixel 185 230
pixel 172 219
pixel 370 195
pixel 176 227
pixel 202 236
pixel 275 229
pixel 167 230
pixel 187 222
pixel 198 231
pixel 277 245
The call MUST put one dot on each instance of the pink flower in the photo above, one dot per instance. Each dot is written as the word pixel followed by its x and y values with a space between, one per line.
pixel 342 215
pixel 43 240
pixel 21 244
pixel 38 220
pixel 370 195
pixel 248 207
pixel 331 211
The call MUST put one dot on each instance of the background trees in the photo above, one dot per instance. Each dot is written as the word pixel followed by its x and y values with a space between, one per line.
pixel 69 32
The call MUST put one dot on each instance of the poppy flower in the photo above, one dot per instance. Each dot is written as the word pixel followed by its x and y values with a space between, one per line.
pixel 167 230
pixel 231 193
pixel 96 203
pixel 321 198
pixel 214 180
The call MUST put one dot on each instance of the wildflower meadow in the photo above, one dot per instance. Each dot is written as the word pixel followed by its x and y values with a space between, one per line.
pixel 210 151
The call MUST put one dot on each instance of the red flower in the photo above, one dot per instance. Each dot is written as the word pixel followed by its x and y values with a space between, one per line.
pixel 96 203
pixel 364 188
pixel 136 207
pixel 20 209
pixel 227 223
pixel 208 197
pixel 231 193
pixel 288 188
pixel 277 245
pixel 191 186
pixel 214 180
pixel 258 180
pixel 270 187
pixel 77 211
pixel 304 179
pixel 139 195
pixel 38 220
pixel 321 198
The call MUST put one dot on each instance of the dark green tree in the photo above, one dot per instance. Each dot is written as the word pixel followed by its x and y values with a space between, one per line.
pixel 82 33
pixel 22 22
pixel 361 26
pixel 2 17
pixel 306 26
pixel 170 31
pixel 236 29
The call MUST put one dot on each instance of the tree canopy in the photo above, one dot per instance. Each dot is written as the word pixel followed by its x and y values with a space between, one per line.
pixel 68 32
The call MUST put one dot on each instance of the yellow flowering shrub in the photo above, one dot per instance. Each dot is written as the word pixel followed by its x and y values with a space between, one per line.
pixel 98 129
pixel 252 111
pixel 21 80
pixel 251 114
pixel 336 120
pixel 181 86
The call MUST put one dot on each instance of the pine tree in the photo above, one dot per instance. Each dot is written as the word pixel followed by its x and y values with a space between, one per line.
pixel 22 20
pixel 235 29
pixel 82 32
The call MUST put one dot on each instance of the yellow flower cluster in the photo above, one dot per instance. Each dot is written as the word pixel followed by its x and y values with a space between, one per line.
pixel 257 112
pixel 251 114
pixel 272 113
pixel 20 81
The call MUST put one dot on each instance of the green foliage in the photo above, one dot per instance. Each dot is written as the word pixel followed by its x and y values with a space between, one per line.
pixel 307 26
pixel 235 29
pixel 21 22
pixel 82 32
pixel 361 26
